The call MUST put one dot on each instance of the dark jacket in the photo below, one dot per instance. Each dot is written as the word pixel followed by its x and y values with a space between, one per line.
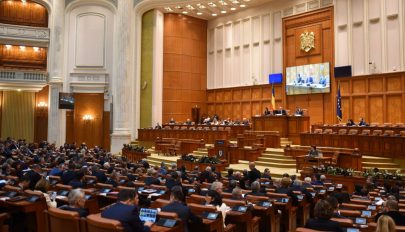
pixel 68 176
pixel 170 183
pixel 34 178
pixel 75 183
pixel 101 177
pixel 128 216
pixel 253 175
pixel 183 212
pixel 151 180
pixel 82 212
pixel 323 225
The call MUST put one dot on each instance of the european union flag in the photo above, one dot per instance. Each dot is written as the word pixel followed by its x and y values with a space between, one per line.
pixel 339 114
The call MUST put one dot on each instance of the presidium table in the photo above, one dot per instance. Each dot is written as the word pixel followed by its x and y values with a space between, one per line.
pixel 288 126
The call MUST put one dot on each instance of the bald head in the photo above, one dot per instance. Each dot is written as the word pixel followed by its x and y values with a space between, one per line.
pixel 252 165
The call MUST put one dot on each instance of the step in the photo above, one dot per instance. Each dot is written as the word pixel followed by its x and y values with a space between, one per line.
pixel 277 165
pixel 275 150
pixel 374 164
pixel 276 160
pixel 376 159
pixel 276 156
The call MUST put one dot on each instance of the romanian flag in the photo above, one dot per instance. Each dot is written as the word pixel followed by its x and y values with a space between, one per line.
pixel 339 114
pixel 273 98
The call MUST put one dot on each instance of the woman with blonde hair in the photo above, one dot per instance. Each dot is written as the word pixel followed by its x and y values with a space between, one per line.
pixel 385 224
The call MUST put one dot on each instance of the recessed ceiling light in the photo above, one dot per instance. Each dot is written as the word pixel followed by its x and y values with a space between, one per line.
pixel 22 48
pixel 242 5
pixel 211 4
pixel 213 14
pixel 168 9
pixel 246 0
pixel 185 12
pixel 223 3
pixel 199 13
pixel 179 7
pixel 8 46
pixel 223 11
pixel 201 6
pixel 190 7
pixel 233 8
pixel 235 1
pixel 36 49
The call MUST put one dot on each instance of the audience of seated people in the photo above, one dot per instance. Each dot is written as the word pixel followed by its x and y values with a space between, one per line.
pixel 34 168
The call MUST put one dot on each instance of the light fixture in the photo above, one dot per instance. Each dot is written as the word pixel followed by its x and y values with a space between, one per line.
pixel 242 5
pixel 190 7
pixel 201 6
pixel 213 14
pixel 211 4
pixel 178 7
pixel 223 11
pixel 8 46
pixel 235 2
pixel 24 1
pixel 42 105
pixel 199 13
pixel 185 12
pixel 22 48
pixel 168 9
pixel 223 3
pixel 233 8
pixel 36 49
pixel 19 90
pixel 88 117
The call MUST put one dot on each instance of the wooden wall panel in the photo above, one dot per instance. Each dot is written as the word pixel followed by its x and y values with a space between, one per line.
pixel 184 67
pixel 41 116
pixel 375 109
pixel 20 13
pixel 27 58
pixel 91 132
pixel 321 23
pixel 394 106
pixel 70 128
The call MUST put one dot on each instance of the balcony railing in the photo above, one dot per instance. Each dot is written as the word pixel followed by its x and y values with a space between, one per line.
pixel 23 76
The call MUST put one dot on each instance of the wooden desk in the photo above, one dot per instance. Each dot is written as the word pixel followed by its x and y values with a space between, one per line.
pixel 387 146
pixel 134 156
pixel 240 153
pixel 209 136
pixel 336 128
pixel 287 126
pixel 267 138
pixel 307 161
pixel 190 165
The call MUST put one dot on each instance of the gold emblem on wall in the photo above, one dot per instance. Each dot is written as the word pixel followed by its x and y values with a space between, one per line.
pixel 307 41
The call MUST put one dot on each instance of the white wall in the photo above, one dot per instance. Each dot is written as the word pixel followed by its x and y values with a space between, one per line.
pixel 369 31
pixel 89 48
pixel 244 48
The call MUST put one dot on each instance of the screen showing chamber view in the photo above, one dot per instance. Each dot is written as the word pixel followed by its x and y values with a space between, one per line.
pixel 307 79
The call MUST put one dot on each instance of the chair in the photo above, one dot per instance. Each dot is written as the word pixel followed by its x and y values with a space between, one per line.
pixel 389 133
pixel 353 131
pixel 95 223
pixel 365 132
pixel 377 132
pixel 328 131
pixel 353 206
pixel 342 131
pixel 318 131
pixel 350 213
pixel 63 220
pixel 159 203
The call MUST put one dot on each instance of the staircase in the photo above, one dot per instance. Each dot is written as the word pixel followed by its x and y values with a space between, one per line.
pixel 382 163
pixel 284 142
pixel 272 158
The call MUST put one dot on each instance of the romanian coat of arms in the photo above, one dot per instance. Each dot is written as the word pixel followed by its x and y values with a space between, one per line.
pixel 307 41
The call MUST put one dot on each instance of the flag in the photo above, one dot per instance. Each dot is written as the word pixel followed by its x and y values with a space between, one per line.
pixel 339 114
pixel 273 98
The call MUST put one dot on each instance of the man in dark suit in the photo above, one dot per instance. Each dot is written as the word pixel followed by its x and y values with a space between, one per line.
pixel 177 206
pixel 298 111
pixel 391 209
pixel 69 174
pixel 152 177
pixel 267 111
pixel 34 175
pixel 125 211
pixel 280 111
pixel 253 174
pixel 362 122
pixel 255 186
pixel 101 177
pixel 76 202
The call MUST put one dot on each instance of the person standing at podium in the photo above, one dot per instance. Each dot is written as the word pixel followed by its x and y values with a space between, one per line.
pixel 313 152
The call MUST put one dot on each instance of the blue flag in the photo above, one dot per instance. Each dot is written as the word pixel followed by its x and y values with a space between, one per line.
pixel 339 114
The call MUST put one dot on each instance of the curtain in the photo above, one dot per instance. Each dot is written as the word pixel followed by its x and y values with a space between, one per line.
pixel 18 113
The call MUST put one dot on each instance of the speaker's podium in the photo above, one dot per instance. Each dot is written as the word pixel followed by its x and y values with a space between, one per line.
pixel 288 126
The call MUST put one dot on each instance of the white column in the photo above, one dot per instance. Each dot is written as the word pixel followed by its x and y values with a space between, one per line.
pixel 56 117
pixel 121 88
pixel 157 75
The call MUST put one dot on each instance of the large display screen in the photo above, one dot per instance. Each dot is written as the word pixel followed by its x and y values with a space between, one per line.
pixel 307 79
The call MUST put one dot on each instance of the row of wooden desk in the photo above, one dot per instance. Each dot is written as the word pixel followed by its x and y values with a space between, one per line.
pixel 234 130
pixel 209 136
pixel 387 146
pixel 335 129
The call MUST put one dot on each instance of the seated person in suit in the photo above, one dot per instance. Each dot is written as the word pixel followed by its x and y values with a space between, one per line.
pixel 350 123
pixel 158 126
pixel 232 184
pixel 298 111
pixel 69 174
pixel 101 177
pixel 152 177
pixel 266 111
pixel 237 194
pixel 78 181
pixel 76 202
pixel 362 122
pixel 177 205
pixel 266 174
pixel 333 202
pixel 310 80
pixel 24 183
pixel 255 186
pixel 172 121
pixel 245 122
pixel 280 111
pixel 391 209
pixel 188 122
pixel 313 152
pixel 125 211
pixel 299 79
pixel 174 180
pixel 213 196
pixel 322 81
pixel 34 175
pixel 323 213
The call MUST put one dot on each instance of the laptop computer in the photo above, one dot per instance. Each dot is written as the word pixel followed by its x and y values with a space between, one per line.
pixel 148 215
pixel 360 221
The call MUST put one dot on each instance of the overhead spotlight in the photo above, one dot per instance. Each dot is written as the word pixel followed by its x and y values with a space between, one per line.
pixel 19 90
pixel 185 12
pixel 211 4
pixel 179 7
pixel 168 9
pixel 24 1
pixel 242 5
pixel 213 14
pixel 190 7
pixel 22 48
pixel 8 46
pixel 201 6
pixel 223 11
pixel 223 3
pixel 199 13
pixel 246 0
pixel 233 8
